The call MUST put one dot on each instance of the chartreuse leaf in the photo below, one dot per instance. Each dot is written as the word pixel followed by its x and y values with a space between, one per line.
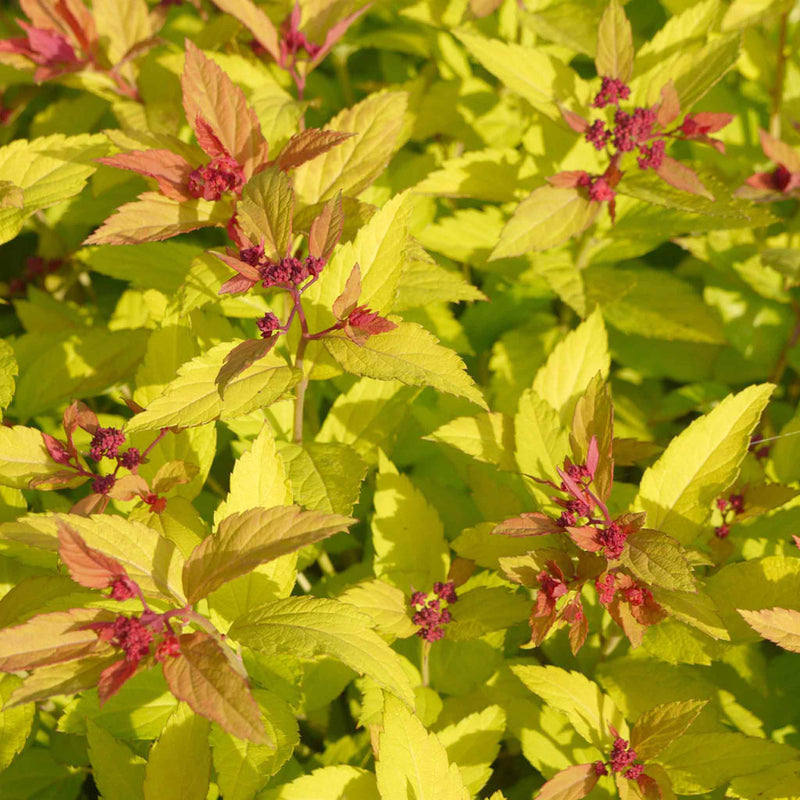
pixel 193 397
pixel 614 57
pixel 117 771
pixel 149 559
pixel 572 364
pixel 785 454
pixel 657 728
pixel 180 758
pixel 412 763
pixel 542 442
pixel 244 540
pixel 66 678
pixel 122 25
pixel 266 209
pixel 407 534
pixel 472 745
pixel 693 608
pixel 530 72
pixel 409 354
pixel 487 437
pixel 8 370
pixel 168 348
pixel 306 627
pixel 15 723
pixel 549 216
pixel 355 163
pixel 484 609
pixel 779 782
pixel 258 478
pixel 658 560
pixel 24 457
pixel 243 767
pixel 779 625
pixel 589 710
pixel 328 783
pixel 385 604
pixel 699 464
pixel 324 476
pixel 36 774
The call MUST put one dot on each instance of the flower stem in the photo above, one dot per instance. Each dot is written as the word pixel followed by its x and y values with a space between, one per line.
pixel 780 74
pixel 425 662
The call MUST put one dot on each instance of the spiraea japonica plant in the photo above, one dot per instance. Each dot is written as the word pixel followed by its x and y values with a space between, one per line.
pixel 400 399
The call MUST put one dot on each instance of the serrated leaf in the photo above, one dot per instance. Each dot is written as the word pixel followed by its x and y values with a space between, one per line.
pixel 548 217
pixel 266 210
pixel 658 727
pixel 484 609
pixel 572 365
pixel 589 710
pixel 87 566
pixel 385 604
pixel 122 24
pixel 255 20
pixel 15 723
pixel 23 457
pixel 658 560
pixel 699 464
pixel 306 627
pixel 68 677
pixel 8 371
pixel 695 609
pixel 356 162
pixel 486 437
pixel 779 625
pixel 202 676
pixel 614 57
pixel 328 783
pixel 413 763
pixel 308 144
pixel 409 354
pixel 182 744
pixel 244 540
pixel 193 397
pixel 541 440
pixel 117 771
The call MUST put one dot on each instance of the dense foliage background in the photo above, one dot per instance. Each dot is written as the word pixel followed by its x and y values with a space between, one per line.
pixel 421 380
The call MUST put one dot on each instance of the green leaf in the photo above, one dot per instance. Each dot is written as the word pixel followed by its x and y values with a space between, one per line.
pixel 324 476
pixel 542 442
pixel 407 534
pixel 168 348
pixel 354 164
pixel 658 560
pixel 657 728
pixel 249 538
pixel 530 72
pixel 548 217
pixel 409 354
pixel 572 364
pixel 23 456
pixel 386 605
pixel 65 678
pixel 696 609
pixel 473 743
pixel 307 627
pixel 266 209
pixel 785 453
pixel 484 609
pixel 486 437
pixel 699 464
pixel 8 370
pixel 36 775
pixel 243 767
pixel 117 771
pixel 779 625
pixel 413 764
pixel 180 758
pixel 589 710
pixel 328 783
pixel 15 723
pixel 193 398
pixel 424 282
pixel 614 57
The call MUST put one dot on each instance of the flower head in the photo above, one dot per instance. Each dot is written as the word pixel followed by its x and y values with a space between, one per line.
pixel 222 174
pixel 612 90
pixel 106 442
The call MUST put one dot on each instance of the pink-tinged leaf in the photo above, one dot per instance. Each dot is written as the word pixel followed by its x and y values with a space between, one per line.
pixel 170 170
pixel 113 677
pixel 236 285
pixel 172 474
pixel 335 32
pixel 52 638
pixel 256 21
pixel 348 299
pixel 249 538
pixel 681 177
pixel 87 566
pixel 207 139
pixel 209 93
pixel 79 415
pixel 528 524
pixel 587 538
pixel 649 787
pixel 58 451
pixel 240 358
pixel 60 478
pixel 308 144
pixel 128 487
pixel 711 122
pixel 154 217
pixel 70 18
pixel 572 783
pixel 614 57
pixel 363 323
pixel 326 229
pixel 246 270
pixel 779 625
pixel 59 679
pixel 569 179
pixel 204 679
pixel 575 121
pixel 91 504
pixel 670 107
pixel 796 540
pixel 482 8
pixel 779 152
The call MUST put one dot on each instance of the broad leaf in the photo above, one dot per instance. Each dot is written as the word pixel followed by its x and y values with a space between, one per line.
pixel 23 457
pixel 572 783
pixel 117 771
pixel 265 211
pixel 658 560
pixel 779 625
pixel 15 723
pixel 614 57
pixel 486 437
pixel 657 728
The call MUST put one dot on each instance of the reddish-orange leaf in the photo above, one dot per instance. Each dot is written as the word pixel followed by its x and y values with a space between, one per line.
pixel 113 677
pixel 308 144
pixel 52 638
pixel 326 229
pixel 240 358
pixel 670 106
pixel 572 783
pixel 170 170
pixel 528 524
pixel 681 177
pixel 348 299
pixel 210 94
pixel 779 152
pixel 87 566
pixel 203 677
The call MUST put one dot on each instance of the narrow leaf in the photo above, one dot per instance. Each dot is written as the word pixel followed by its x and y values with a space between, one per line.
pixel 614 57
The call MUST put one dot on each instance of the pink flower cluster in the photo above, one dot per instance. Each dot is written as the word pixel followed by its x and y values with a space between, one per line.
pixel 730 508
pixel 430 610
pixel 222 174
pixel 622 759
